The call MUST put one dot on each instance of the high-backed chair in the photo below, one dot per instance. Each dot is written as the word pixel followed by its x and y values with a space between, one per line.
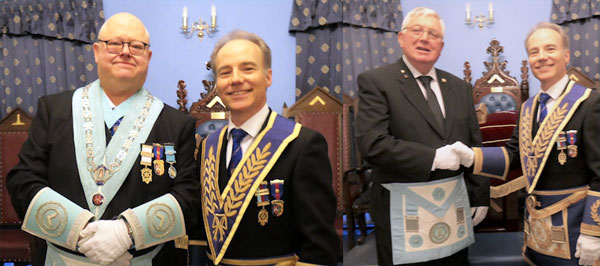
pixel 501 96
pixel 322 112
pixel 14 243
pixel 581 78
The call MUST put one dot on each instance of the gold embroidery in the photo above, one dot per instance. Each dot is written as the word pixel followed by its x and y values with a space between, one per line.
pixel 51 218
pixel 235 198
pixel 594 212
pixel 536 149
pixel 161 220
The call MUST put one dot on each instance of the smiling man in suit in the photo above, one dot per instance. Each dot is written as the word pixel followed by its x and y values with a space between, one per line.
pixel 266 195
pixel 409 115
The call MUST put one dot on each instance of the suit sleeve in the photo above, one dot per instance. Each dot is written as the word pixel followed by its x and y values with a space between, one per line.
pixel 378 146
pixel 186 187
pixel 314 202
pixel 29 176
pixel 477 186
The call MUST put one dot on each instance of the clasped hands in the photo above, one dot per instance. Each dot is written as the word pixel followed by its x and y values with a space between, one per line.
pixel 106 242
pixel 451 157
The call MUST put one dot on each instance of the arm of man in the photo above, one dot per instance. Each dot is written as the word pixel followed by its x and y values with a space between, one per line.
pixel 314 202
pixel 588 243
pixel 477 186
pixel 28 182
pixel 182 200
pixel 375 142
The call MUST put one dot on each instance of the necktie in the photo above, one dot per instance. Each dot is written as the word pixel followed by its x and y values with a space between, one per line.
pixel 237 135
pixel 544 97
pixel 432 100
pixel 115 126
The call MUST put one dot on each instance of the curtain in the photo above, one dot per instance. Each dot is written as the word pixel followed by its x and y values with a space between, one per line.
pixel 337 40
pixel 581 18
pixel 46 48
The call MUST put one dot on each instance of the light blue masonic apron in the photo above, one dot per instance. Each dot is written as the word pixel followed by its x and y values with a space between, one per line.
pixel 429 220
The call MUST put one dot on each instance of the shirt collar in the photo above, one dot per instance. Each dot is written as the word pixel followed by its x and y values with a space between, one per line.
pixel 557 89
pixel 253 125
pixel 416 72
pixel 111 112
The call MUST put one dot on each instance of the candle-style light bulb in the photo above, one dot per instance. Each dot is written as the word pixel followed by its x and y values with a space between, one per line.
pixel 213 16
pixel 185 17
pixel 468 11
pixel 491 11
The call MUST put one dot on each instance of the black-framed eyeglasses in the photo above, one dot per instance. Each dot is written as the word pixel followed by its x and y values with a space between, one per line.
pixel 116 46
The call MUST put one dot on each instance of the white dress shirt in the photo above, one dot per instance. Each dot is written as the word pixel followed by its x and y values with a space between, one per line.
pixel 554 91
pixel 435 85
pixel 252 126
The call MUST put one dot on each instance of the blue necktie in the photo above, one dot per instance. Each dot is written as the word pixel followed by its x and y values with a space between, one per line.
pixel 544 97
pixel 237 135
pixel 115 126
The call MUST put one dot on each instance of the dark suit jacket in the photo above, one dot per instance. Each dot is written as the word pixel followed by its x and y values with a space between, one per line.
pixel 397 135
pixel 579 171
pixel 47 159
pixel 306 226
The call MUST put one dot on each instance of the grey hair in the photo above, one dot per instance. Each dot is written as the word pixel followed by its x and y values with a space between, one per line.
pixel 550 26
pixel 422 11
pixel 242 35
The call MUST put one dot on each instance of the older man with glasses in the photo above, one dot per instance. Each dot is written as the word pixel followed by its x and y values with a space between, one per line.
pixel 409 115
pixel 107 175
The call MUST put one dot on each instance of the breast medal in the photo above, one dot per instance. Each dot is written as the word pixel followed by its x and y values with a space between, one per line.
pixel 170 159
pixel 159 164
pixel 561 145
pixel 277 193
pixel 572 138
pixel 262 200
pixel 146 161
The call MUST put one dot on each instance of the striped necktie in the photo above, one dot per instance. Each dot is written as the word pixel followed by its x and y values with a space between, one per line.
pixel 237 134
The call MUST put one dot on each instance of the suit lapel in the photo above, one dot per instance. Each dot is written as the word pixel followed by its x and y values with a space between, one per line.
pixel 449 98
pixel 409 87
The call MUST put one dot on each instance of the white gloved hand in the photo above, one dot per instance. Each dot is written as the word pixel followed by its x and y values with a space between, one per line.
pixel 587 249
pixel 478 214
pixel 124 260
pixel 467 156
pixel 109 241
pixel 446 158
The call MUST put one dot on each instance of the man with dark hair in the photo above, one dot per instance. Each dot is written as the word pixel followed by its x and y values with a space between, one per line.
pixel 267 196
pixel 409 113
pixel 84 182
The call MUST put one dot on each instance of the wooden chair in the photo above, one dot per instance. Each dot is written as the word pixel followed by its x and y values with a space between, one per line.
pixel 500 95
pixel 14 243
pixel 322 112
pixel 578 76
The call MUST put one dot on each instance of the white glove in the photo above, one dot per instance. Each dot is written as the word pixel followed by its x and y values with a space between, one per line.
pixel 446 158
pixel 588 249
pixel 109 240
pixel 124 260
pixel 478 214
pixel 467 156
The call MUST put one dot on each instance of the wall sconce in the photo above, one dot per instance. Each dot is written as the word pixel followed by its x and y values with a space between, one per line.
pixel 201 27
pixel 480 20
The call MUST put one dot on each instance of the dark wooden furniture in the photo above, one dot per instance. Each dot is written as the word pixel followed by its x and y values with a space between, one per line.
pixel 322 112
pixel 14 243
pixel 501 96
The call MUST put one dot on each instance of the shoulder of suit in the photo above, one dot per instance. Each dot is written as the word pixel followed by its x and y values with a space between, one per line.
pixel 382 70
pixel 173 113
pixel 448 76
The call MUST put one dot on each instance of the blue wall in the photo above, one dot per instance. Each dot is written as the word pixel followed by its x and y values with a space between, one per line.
pixel 178 58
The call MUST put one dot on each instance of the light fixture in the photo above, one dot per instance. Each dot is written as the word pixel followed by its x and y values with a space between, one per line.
pixel 481 20
pixel 200 26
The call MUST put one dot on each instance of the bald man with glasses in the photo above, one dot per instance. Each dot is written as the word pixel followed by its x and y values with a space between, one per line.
pixel 107 175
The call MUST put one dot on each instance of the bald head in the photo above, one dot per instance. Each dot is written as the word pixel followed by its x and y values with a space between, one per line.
pixel 124 22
